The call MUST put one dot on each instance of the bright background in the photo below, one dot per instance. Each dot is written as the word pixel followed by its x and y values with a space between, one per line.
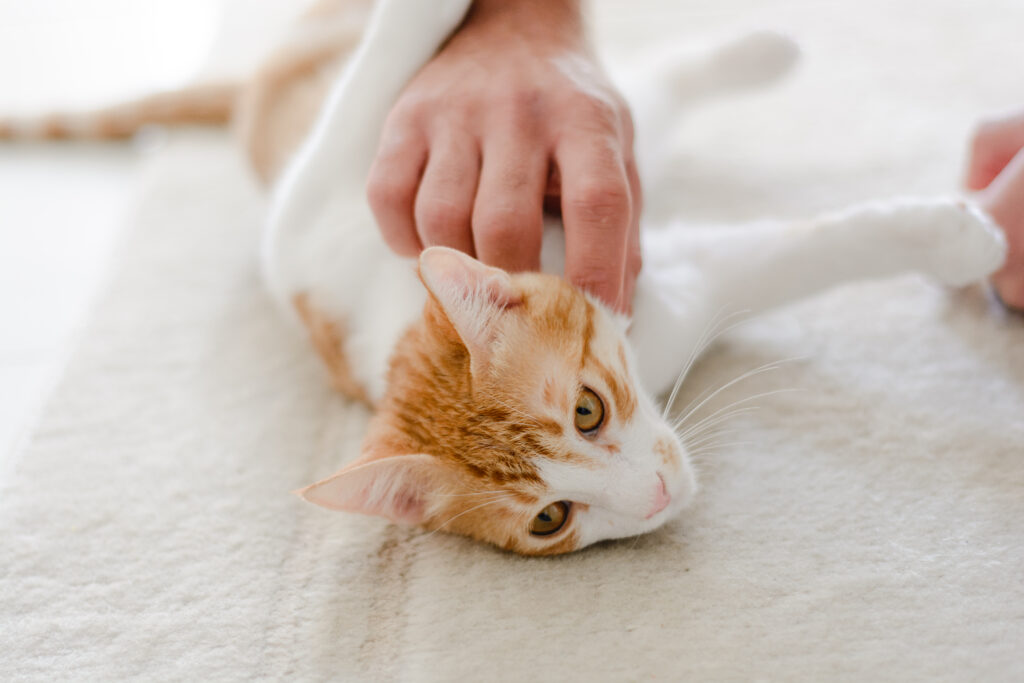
pixel 61 205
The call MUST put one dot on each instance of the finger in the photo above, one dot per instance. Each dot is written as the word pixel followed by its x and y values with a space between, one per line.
pixel 391 188
pixel 597 213
pixel 444 201
pixel 1004 201
pixel 993 146
pixel 508 220
pixel 634 255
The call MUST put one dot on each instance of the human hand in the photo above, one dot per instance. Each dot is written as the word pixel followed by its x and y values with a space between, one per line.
pixel 996 172
pixel 514 111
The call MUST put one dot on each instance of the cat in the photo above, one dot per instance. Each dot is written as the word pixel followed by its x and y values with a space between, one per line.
pixel 514 408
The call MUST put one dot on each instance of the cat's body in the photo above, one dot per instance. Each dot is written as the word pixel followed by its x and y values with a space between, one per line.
pixel 513 408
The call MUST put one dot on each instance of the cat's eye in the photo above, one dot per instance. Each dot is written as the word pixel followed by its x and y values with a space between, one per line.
pixel 551 519
pixel 589 411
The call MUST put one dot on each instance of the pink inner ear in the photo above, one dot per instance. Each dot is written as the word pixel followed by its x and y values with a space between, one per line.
pixel 450 274
pixel 410 509
pixel 472 295
pixel 396 487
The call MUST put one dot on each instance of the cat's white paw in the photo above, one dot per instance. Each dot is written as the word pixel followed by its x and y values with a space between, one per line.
pixel 960 243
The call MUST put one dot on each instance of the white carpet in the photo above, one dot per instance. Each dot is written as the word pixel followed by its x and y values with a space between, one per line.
pixel 871 532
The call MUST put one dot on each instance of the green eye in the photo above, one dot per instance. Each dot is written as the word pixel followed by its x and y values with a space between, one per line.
pixel 551 519
pixel 589 411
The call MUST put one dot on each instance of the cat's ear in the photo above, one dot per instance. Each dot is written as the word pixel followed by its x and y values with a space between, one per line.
pixel 472 295
pixel 401 488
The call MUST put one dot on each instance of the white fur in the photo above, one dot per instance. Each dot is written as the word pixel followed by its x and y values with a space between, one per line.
pixel 322 241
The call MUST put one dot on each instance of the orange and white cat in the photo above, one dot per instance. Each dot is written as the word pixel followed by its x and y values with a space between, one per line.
pixel 514 408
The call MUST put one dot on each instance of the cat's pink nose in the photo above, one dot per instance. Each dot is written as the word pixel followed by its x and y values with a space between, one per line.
pixel 661 498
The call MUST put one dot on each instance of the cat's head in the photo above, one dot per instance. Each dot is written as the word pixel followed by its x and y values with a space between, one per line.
pixel 513 415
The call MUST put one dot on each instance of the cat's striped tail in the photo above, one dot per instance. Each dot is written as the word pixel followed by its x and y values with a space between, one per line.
pixel 208 105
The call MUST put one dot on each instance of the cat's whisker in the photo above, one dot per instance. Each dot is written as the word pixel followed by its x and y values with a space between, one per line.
pixel 767 367
pixel 476 493
pixel 704 394
pixel 687 430
pixel 703 454
pixel 689 362
pixel 698 350
pixel 708 394
pixel 707 337
pixel 703 438
pixel 691 429
pixel 716 446
pixel 712 421
pixel 466 512
pixel 352 470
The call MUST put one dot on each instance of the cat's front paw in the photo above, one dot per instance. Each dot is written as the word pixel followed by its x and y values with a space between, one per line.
pixel 965 245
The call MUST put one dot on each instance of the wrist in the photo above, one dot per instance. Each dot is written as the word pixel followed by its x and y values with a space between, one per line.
pixel 549 22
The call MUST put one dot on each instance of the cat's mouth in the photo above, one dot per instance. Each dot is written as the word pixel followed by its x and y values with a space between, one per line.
pixel 662 498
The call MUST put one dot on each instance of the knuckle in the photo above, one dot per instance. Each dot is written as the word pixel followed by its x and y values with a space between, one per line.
pixel 602 201
pixel 523 106
pixel 451 176
pixel 521 98
pixel 599 109
pixel 441 220
pixel 430 113
pixel 514 178
pixel 501 226
pixel 409 108
pixel 385 194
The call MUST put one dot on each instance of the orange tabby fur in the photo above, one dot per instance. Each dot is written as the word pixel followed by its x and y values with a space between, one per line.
pixel 328 338
pixel 489 428
pixel 486 426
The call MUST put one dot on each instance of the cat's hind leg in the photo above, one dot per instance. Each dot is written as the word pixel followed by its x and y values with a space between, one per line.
pixel 694 275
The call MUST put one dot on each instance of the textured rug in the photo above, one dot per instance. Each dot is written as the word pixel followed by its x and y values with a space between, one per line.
pixel 867 528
